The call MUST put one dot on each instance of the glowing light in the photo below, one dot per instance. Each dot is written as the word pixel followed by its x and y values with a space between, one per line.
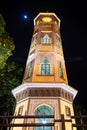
pixel 47 19
pixel 44 121
pixel 25 16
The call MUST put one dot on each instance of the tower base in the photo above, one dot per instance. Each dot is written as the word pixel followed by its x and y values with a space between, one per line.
pixel 51 99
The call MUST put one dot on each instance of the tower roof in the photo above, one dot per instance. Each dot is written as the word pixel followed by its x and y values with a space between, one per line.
pixel 44 14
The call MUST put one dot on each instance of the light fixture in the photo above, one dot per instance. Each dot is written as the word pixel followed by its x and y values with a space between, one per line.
pixel 46 19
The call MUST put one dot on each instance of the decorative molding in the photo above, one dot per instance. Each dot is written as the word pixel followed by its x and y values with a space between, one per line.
pixel 63 86
pixel 53 103
pixel 44 92
pixel 46 31
pixel 45 14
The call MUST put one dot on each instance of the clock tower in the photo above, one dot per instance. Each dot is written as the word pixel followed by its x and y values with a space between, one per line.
pixel 45 89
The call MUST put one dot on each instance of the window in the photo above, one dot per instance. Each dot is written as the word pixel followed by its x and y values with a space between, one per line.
pixel 45 67
pixel 58 41
pixel 30 69
pixel 33 46
pixel 20 111
pixel 44 110
pixel 46 40
pixel 61 70
pixel 68 113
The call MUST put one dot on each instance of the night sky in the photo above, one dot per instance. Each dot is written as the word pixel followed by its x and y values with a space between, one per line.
pixel 73 28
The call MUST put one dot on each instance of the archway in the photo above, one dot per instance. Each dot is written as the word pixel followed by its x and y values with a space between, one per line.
pixel 44 110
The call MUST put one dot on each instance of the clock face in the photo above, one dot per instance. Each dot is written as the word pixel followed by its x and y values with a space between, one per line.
pixel 47 19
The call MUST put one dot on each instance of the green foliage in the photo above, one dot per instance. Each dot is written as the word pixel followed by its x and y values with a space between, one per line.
pixel 79 110
pixel 10 73
pixel 6 44
pixel 10 77
pixel 2 24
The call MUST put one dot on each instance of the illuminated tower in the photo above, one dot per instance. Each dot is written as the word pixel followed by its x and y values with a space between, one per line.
pixel 45 89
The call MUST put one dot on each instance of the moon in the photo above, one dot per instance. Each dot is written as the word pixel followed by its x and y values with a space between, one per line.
pixel 25 16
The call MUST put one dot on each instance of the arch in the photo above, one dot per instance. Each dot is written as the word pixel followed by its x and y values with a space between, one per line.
pixel 44 110
pixel 48 110
pixel 46 39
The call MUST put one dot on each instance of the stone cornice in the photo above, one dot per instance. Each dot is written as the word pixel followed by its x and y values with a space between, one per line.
pixel 63 86
pixel 45 14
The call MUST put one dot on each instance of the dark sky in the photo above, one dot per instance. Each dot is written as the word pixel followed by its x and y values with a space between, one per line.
pixel 73 16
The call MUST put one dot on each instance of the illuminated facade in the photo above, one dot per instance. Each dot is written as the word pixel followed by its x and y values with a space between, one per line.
pixel 45 89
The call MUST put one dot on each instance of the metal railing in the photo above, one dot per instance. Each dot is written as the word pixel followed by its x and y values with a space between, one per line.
pixel 82 122
pixel 62 120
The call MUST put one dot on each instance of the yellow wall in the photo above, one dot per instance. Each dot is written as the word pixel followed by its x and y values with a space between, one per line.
pixel 54 77
pixel 45 48
pixel 63 105
pixel 25 106
pixel 37 77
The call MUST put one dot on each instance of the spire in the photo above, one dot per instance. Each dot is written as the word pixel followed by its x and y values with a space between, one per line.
pixel 45 61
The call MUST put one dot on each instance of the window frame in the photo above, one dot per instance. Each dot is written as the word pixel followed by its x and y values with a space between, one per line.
pixel 45 68
pixel 46 40
pixel 20 110
pixel 61 70
pixel 67 110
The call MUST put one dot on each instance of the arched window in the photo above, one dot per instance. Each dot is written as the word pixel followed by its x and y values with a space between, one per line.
pixel 45 67
pixel 46 39
pixel 44 110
